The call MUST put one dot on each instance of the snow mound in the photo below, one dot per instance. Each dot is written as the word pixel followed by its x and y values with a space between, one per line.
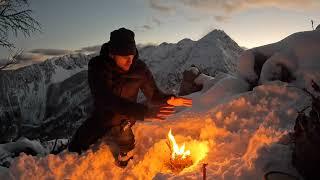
pixel 294 59
pixel 242 137
pixel 10 150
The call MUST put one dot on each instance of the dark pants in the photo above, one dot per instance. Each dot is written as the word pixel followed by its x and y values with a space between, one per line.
pixel 119 140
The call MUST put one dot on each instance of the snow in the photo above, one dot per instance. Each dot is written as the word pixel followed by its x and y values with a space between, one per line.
pixel 202 79
pixel 298 54
pixel 25 93
pixel 215 52
pixel 240 137
pixel 69 65
pixel 4 173
pixel 9 150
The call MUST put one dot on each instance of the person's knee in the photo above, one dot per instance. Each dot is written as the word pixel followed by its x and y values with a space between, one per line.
pixel 125 140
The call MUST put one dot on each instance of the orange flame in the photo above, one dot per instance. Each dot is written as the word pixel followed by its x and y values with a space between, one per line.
pixel 176 150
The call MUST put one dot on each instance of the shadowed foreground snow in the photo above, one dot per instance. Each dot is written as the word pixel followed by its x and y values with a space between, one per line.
pixel 241 137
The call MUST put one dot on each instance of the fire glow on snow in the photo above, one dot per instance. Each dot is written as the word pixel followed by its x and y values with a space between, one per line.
pixel 241 138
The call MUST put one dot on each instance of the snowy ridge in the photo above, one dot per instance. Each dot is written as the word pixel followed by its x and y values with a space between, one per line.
pixel 215 52
pixel 24 92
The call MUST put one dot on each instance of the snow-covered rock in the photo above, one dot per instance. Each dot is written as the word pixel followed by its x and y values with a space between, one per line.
pixel 295 59
pixel 11 150
pixel 188 84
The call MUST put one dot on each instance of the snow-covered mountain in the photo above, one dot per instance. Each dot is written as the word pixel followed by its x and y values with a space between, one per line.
pixel 44 94
pixel 215 52
pixel 53 97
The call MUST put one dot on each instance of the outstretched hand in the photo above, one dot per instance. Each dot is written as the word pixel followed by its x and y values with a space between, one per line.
pixel 164 111
pixel 160 112
pixel 180 101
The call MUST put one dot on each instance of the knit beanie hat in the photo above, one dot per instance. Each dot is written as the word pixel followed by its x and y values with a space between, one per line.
pixel 122 42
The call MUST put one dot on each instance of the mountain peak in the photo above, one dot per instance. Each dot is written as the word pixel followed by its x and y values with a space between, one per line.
pixel 164 44
pixel 215 34
pixel 185 40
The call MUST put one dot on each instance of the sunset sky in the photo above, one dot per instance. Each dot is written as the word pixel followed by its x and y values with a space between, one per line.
pixel 70 25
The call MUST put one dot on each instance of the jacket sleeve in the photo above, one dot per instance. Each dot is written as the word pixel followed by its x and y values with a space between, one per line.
pixel 150 89
pixel 100 84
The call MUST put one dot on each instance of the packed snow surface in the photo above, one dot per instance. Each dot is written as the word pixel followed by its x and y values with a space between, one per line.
pixel 240 134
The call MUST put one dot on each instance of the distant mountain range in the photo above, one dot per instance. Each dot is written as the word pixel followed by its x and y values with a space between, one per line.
pixel 50 99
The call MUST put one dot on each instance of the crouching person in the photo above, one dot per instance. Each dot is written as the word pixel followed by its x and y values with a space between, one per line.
pixel 115 77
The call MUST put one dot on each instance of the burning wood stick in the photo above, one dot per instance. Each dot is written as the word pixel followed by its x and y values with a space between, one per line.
pixel 204 171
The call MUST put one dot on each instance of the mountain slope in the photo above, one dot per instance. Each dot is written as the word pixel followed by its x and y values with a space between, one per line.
pixel 25 93
pixel 215 52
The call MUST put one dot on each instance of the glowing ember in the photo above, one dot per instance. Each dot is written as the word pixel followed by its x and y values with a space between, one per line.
pixel 180 158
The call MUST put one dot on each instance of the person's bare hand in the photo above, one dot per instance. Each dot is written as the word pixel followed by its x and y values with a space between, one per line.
pixel 180 101
pixel 161 112
pixel 165 111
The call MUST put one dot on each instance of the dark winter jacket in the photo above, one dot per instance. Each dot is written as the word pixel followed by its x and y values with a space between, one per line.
pixel 115 92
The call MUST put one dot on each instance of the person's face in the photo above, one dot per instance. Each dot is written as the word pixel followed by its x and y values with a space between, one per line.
pixel 124 62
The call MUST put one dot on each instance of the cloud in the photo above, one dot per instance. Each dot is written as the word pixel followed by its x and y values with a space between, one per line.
pixel 89 49
pixel 154 22
pixel 30 57
pixel 21 60
pixel 143 28
pixel 160 6
pixel 23 57
pixel 39 55
pixel 146 27
pixel 221 18
pixel 242 5
pixel 157 21
pixel 223 9
pixel 50 52
pixel 141 46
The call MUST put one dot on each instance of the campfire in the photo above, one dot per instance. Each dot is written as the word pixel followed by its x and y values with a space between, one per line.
pixel 180 158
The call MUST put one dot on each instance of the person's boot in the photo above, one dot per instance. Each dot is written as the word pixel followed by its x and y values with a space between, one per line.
pixel 124 158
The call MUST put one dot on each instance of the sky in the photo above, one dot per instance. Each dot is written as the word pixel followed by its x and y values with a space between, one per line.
pixel 82 26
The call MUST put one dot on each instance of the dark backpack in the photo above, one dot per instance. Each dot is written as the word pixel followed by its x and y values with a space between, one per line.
pixel 306 153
